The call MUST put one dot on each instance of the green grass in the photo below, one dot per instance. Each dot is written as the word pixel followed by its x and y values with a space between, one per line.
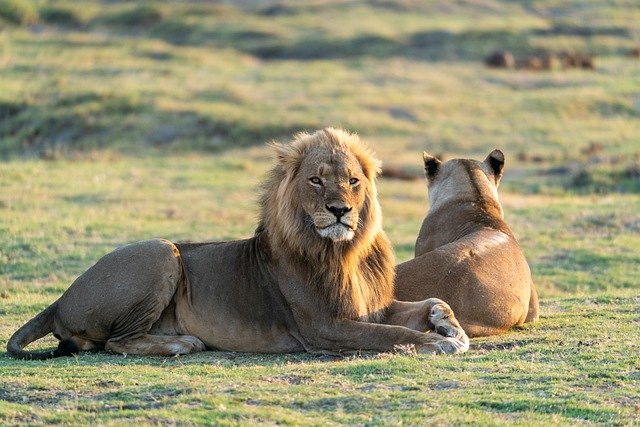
pixel 198 76
pixel 568 369
pixel 577 365
pixel 121 122
pixel 18 12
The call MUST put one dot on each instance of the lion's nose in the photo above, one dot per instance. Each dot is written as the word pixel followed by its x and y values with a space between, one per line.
pixel 338 211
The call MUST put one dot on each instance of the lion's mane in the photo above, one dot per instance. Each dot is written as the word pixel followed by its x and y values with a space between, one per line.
pixel 355 277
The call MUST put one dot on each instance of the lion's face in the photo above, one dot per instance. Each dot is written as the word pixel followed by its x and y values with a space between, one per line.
pixel 332 186
pixel 323 190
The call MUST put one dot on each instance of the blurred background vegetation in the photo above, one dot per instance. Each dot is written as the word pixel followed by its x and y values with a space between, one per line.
pixel 407 74
pixel 183 95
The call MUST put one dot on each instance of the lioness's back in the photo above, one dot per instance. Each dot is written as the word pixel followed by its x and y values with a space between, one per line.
pixel 466 253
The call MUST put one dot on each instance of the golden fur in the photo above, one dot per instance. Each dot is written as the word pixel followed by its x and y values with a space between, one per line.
pixel 356 275
pixel 466 253
pixel 317 276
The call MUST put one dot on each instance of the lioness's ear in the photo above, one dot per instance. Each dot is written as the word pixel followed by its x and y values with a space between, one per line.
pixel 431 165
pixel 495 160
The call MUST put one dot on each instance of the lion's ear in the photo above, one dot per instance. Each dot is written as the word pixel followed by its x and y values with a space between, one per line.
pixel 371 167
pixel 495 161
pixel 287 155
pixel 431 165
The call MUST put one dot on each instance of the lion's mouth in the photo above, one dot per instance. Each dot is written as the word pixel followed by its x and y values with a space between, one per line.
pixel 337 223
pixel 338 231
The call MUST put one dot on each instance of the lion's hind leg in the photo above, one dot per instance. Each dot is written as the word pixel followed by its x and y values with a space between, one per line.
pixel 138 332
pixel 124 302
pixel 479 330
pixel 155 345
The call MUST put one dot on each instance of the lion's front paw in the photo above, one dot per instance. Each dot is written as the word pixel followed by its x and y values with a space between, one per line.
pixel 442 345
pixel 444 322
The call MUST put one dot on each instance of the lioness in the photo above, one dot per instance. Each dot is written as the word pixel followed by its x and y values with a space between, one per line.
pixel 317 276
pixel 465 252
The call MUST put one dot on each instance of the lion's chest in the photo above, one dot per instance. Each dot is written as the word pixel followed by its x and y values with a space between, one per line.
pixel 360 300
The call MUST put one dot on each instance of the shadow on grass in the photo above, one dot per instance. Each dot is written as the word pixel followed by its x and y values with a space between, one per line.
pixel 304 43
pixel 108 396
pixel 436 45
pixel 570 410
pixel 378 364
pixel 504 345
pixel 205 358
pixel 88 121
pixel 431 45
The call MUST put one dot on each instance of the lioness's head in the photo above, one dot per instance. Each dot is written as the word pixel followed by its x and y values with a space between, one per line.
pixel 466 178
pixel 323 187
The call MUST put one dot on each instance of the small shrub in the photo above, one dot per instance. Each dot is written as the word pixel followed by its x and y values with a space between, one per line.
pixel 10 109
pixel 21 12
pixel 632 171
pixel 605 179
pixel 141 16
pixel 59 16
pixel 174 31
pixel 277 9
pixel 582 179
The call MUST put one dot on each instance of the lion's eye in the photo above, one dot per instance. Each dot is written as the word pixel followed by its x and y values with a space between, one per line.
pixel 315 180
pixel 354 181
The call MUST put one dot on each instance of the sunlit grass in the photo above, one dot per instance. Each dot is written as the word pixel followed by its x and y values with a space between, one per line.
pixel 153 121
pixel 407 78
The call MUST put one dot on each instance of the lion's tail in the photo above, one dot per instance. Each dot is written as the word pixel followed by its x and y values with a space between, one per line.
pixel 34 329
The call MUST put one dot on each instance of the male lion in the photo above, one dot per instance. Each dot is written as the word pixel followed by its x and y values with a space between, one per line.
pixel 465 252
pixel 316 276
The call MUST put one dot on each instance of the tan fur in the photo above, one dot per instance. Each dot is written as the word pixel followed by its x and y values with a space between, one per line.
pixel 317 276
pixel 466 254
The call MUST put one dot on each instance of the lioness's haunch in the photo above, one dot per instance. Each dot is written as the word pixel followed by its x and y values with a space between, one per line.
pixel 316 276
pixel 466 254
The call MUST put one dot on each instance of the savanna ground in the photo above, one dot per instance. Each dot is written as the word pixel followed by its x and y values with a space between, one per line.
pixel 121 122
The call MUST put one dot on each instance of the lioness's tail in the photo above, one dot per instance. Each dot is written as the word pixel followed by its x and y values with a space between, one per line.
pixel 34 329
pixel 534 308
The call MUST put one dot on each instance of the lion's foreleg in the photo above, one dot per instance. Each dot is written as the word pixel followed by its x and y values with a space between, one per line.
pixel 412 315
pixel 349 335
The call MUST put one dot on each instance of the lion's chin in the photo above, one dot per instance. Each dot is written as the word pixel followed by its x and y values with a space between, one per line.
pixel 337 232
